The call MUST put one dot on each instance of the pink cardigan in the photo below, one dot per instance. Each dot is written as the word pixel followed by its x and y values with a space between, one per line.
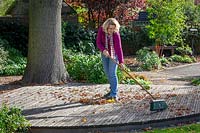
pixel 100 41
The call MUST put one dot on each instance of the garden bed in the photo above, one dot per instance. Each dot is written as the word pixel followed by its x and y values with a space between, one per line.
pixel 12 82
pixel 132 63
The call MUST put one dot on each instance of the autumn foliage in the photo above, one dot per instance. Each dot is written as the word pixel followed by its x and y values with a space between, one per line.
pixel 95 12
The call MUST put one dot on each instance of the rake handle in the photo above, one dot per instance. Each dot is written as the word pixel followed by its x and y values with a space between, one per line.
pixel 143 88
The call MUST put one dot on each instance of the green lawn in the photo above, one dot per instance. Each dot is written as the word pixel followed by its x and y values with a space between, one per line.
pixel 193 128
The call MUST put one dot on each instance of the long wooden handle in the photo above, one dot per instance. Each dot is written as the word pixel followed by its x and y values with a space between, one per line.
pixel 143 88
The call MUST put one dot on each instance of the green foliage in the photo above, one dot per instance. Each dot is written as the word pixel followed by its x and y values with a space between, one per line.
pixel 86 68
pixel 82 12
pixel 198 13
pixel 12 61
pixel 164 61
pixel 192 12
pixel 143 82
pixel 149 60
pixel 184 50
pixel 193 128
pixel 3 55
pixel 183 59
pixel 167 20
pixel 12 120
pixel 126 33
pixel 16 34
pixel 89 68
pixel 134 40
pixel 13 69
pixel 5 5
pixel 78 39
pixel 124 78
pixel 196 81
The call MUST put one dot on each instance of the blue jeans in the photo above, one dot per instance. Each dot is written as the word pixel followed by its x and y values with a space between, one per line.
pixel 110 69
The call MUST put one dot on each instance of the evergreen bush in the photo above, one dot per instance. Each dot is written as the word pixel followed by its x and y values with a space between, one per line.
pixel 12 120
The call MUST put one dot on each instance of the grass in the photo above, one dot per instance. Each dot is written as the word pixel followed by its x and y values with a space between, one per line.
pixel 193 128
pixel 196 81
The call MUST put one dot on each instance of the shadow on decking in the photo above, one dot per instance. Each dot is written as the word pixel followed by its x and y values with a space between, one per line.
pixel 11 86
pixel 35 111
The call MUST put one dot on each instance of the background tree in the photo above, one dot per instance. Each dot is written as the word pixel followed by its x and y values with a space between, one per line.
pixel 95 12
pixel 192 12
pixel 45 61
pixel 167 22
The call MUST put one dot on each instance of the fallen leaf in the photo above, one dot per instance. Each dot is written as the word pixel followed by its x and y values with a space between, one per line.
pixel 84 120
pixel 98 95
pixel 83 94
pixel 147 129
pixel 84 100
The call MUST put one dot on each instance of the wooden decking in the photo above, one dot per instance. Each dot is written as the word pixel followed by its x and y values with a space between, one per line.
pixel 60 107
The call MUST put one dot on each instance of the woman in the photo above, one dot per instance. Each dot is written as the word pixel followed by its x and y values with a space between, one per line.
pixel 109 43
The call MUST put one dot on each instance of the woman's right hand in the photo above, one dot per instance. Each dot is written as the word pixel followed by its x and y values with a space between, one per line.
pixel 105 52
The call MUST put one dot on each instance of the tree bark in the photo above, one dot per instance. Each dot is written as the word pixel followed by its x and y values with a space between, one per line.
pixel 45 63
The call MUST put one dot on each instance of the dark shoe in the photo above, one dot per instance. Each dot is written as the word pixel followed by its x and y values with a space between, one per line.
pixel 107 95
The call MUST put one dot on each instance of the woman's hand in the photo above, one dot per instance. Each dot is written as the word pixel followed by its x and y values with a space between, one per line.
pixel 105 52
pixel 121 66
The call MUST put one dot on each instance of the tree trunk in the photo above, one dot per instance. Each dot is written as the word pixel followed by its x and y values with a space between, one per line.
pixel 45 61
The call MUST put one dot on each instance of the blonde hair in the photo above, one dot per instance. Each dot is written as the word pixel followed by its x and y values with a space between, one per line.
pixel 111 21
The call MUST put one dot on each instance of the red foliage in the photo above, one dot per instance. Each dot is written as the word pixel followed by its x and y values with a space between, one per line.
pixel 99 10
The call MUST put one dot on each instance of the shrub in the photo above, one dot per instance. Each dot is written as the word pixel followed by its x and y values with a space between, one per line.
pixel 13 69
pixel 164 61
pixel 184 50
pixel 133 40
pixel 87 68
pixel 183 59
pixel 16 34
pixel 12 61
pixel 12 120
pixel 167 20
pixel 149 60
pixel 126 33
pixel 78 39
pixel 4 56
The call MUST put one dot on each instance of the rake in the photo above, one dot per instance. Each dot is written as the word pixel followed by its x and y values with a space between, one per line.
pixel 155 104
